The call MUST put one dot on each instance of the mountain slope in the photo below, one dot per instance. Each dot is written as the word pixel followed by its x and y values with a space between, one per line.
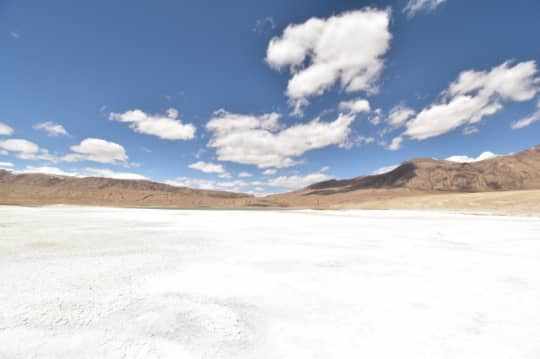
pixel 513 172
pixel 34 188
pixel 401 187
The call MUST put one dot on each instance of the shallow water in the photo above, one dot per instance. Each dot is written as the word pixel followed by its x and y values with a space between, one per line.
pixel 109 283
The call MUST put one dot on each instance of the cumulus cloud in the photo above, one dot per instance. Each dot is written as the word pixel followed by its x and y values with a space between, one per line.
pixel 355 106
pixel 395 144
pixel 346 48
pixel 6 164
pixel 414 6
pixel 524 122
pixel 5 130
pixel 264 142
pixel 97 150
pixel 475 95
pixel 399 115
pixel 297 181
pixel 168 126
pixel 51 128
pixel 19 145
pixel 208 167
pixel 25 150
pixel 465 159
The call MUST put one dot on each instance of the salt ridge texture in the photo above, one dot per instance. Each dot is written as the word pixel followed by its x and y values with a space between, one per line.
pixel 133 283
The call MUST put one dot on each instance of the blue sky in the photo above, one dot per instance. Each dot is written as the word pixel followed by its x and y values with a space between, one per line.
pixel 263 96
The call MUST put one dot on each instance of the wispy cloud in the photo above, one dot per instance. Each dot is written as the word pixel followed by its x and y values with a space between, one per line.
pixel 265 25
pixel 415 6
pixel 529 120
pixel 51 128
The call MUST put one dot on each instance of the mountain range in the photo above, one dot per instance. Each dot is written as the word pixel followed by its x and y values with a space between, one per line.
pixel 412 182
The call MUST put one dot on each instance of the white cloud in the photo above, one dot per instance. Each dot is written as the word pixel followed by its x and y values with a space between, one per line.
pixel 87 172
pixel 385 169
pixel 376 120
pixel 5 130
pixel 55 171
pixel 270 172
pixel 97 150
pixel 414 6
pixel 262 141
pixel 524 122
pixel 106 173
pixel 6 164
pixel 192 183
pixel 52 129
pixel 297 181
pixel 474 95
pixel 25 149
pixel 208 167
pixel 395 144
pixel 355 106
pixel 168 127
pixel 245 175
pixel 19 145
pixel 465 159
pixel 234 186
pixel 363 140
pixel 347 48
pixel 399 115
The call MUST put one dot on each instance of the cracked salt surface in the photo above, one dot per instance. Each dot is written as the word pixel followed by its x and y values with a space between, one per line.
pixel 80 282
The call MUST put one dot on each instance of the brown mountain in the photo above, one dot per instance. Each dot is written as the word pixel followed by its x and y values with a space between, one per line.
pixel 37 189
pixel 421 177
pixel 419 183
pixel 505 173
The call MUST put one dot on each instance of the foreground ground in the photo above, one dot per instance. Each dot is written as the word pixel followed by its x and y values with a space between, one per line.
pixel 110 283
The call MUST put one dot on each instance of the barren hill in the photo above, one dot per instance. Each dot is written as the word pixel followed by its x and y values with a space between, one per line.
pixel 35 188
pixel 514 172
pixel 421 177
pixel 420 183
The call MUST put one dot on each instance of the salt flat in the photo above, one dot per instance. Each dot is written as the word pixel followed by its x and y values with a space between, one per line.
pixel 133 283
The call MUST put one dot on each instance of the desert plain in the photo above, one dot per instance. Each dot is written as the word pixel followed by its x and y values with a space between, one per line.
pixel 95 282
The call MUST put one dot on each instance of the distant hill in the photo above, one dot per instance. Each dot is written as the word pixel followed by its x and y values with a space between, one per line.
pixel 417 177
pixel 505 173
pixel 37 189
pixel 424 176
